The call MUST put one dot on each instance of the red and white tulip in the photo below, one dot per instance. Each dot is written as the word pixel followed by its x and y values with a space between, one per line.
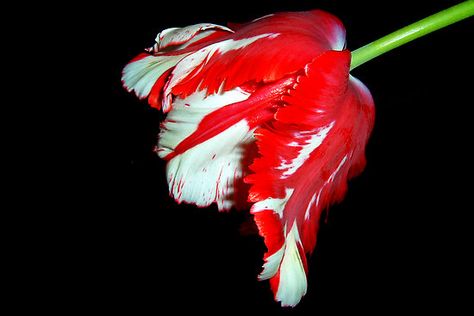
pixel 265 113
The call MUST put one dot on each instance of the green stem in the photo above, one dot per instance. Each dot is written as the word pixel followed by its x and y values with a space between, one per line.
pixel 413 31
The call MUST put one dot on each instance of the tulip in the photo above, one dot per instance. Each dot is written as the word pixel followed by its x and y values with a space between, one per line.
pixel 264 113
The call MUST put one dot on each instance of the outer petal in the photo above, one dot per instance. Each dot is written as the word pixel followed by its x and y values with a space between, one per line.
pixel 207 140
pixel 147 73
pixel 316 143
pixel 293 40
pixel 210 169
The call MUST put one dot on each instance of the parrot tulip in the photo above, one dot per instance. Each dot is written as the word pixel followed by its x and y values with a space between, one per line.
pixel 264 113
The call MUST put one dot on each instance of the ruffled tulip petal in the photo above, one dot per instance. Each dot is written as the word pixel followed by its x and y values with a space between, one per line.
pixel 210 170
pixel 265 50
pixel 307 154
pixel 147 73
pixel 143 72
pixel 205 139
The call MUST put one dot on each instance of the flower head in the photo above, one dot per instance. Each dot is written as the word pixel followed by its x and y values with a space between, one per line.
pixel 265 113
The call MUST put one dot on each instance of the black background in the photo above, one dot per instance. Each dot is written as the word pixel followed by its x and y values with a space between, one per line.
pixel 398 242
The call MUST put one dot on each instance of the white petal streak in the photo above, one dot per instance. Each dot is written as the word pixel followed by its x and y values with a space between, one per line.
pixel 271 265
pixel 307 148
pixel 277 205
pixel 187 35
pixel 338 40
pixel 334 173
pixel 207 172
pixel 141 75
pixel 186 114
pixel 293 283
pixel 263 17
pixel 310 205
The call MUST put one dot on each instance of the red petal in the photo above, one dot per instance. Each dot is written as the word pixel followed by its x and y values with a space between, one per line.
pixel 315 144
pixel 294 40
pixel 270 228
